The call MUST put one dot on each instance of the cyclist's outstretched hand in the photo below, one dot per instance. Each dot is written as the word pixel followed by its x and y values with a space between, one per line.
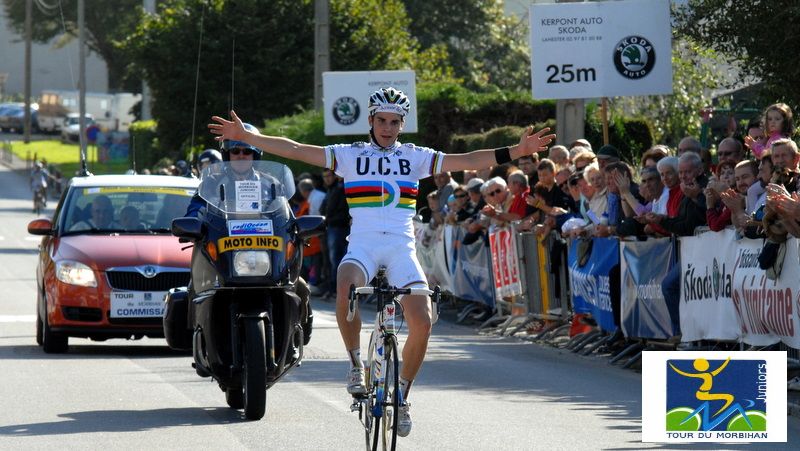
pixel 531 142
pixel 232 130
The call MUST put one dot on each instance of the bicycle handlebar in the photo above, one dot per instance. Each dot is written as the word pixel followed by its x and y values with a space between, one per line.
pixel 396 291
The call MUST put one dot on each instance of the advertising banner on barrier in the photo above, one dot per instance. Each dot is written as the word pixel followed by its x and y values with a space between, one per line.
pixel 768 309
pixel 431 255
pixel 643 267
pixel 590 284
pixel 706 309
pixel 505 264
pixel 472 278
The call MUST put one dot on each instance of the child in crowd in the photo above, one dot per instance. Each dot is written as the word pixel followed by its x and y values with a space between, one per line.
pixel 778 123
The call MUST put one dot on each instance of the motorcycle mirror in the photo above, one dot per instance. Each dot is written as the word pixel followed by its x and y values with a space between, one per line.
pixel 188 228
pixel 310 226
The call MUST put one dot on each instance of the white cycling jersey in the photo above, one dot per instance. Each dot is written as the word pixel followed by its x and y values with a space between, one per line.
pixel 381 185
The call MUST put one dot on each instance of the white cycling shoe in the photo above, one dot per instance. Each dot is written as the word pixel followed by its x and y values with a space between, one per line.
pixel 404 420
pixel 355 382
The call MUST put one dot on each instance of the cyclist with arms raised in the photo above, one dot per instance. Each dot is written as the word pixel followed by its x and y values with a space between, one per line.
pixel 381 181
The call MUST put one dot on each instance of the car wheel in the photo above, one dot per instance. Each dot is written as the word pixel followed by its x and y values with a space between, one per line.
pixel 53 342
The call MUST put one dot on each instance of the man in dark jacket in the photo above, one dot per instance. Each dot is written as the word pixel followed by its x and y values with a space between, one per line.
pixel 337 217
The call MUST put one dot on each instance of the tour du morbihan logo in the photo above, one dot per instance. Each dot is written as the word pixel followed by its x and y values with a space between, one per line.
pixel 346 110
pixel 634 57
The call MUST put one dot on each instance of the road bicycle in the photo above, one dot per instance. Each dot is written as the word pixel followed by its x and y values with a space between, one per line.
pixel 39 200
pixel 378 408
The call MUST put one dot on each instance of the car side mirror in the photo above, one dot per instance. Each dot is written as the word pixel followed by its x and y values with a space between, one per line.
pixel 188 228
pixel 40 227
pixel 310 226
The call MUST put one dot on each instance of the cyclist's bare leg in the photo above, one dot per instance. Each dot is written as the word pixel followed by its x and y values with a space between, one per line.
pixel 348 274
pixel 417 315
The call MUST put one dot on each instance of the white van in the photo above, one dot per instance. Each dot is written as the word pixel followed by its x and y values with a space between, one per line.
pixel 110 111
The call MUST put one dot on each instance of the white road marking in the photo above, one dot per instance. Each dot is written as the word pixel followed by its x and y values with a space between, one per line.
pixel 17 318
pixel 33 238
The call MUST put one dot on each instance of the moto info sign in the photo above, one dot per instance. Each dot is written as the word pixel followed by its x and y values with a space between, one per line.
pixel 346 95
pixel 601 49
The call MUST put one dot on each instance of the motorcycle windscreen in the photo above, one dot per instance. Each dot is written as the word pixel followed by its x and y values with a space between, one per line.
pixel 244 187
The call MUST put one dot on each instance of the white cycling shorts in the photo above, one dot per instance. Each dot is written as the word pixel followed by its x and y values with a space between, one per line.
pixel 368 251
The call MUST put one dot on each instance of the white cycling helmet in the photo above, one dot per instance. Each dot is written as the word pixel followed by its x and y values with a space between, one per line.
pixel 389 100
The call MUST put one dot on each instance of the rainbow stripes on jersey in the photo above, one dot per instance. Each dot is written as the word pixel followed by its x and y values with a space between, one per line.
pixel 368 193
pixel 408 195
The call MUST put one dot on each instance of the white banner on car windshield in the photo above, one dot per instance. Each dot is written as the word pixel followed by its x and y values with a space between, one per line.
pixel 346 95
pixel 601 49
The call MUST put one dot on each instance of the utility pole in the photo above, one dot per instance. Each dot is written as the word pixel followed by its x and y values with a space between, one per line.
pixel 149 8
pixel 570 114
pixel 82 84
pixel 28 36
pixel 322 58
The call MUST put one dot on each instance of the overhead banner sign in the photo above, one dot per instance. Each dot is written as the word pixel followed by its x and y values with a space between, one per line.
pixel 601 49
pixel 346 96
pixel 706 310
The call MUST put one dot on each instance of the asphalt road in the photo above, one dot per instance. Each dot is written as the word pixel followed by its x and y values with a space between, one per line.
pixel 474 391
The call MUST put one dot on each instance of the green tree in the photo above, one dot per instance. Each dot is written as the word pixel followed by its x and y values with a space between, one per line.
pixel 258 57
pixel 695 74
pixel 106 23
pixel 484 45
pixel 759 34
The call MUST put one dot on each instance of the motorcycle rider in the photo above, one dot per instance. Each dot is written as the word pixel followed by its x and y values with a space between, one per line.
pixel 381 207
pixel 207 158
pixel 241 156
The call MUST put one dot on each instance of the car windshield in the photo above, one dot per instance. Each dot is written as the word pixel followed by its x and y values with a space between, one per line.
pixel 246 186
pixel 124 209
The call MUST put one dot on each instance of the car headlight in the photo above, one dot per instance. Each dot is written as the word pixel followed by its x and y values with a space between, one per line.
pixel 251 263
pixel 75 273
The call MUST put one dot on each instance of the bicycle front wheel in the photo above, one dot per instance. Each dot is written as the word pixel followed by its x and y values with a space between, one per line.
pixel 388 399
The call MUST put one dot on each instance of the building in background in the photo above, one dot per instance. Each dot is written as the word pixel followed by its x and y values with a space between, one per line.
pixel 52 68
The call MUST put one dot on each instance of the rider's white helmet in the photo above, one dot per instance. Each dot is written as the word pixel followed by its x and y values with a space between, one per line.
pixel 389 100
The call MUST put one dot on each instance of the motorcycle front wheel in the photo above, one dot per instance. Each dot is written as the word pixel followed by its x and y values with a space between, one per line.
pixel 254 369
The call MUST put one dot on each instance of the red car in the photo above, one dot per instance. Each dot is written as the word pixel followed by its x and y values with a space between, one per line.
pixel 107 258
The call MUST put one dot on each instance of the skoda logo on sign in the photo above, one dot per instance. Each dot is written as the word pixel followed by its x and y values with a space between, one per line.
pixel 634 57
pixel 149 272
pixel 346 110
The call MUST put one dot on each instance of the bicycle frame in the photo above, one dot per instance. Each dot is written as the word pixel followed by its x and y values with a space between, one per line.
pixel 373 406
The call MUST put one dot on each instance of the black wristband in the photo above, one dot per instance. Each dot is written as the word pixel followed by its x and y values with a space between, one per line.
pixel 502 155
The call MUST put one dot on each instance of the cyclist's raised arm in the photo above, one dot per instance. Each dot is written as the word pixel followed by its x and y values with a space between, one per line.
pixel 529 143
pixel 283 147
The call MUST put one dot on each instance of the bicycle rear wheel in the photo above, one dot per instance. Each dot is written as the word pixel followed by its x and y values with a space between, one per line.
pixel 388 399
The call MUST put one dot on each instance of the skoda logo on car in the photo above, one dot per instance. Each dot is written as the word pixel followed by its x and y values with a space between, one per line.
pixel 149 272
pixel 634 57
pixel 346 110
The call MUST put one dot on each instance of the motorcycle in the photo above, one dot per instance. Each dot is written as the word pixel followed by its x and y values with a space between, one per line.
pixel 245 315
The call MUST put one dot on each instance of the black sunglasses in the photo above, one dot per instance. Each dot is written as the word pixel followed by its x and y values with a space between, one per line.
pixel 238 150
pixel 461 196
pixel 494 193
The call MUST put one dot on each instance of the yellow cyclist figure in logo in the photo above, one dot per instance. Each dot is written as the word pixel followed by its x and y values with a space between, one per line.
pixel 703 393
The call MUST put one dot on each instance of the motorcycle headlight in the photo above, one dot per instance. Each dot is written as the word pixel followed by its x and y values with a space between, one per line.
pixel 75 273
pixel 251 263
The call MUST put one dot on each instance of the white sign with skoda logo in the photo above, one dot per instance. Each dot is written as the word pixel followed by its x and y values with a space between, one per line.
pixel 601 49
pixel 346 95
